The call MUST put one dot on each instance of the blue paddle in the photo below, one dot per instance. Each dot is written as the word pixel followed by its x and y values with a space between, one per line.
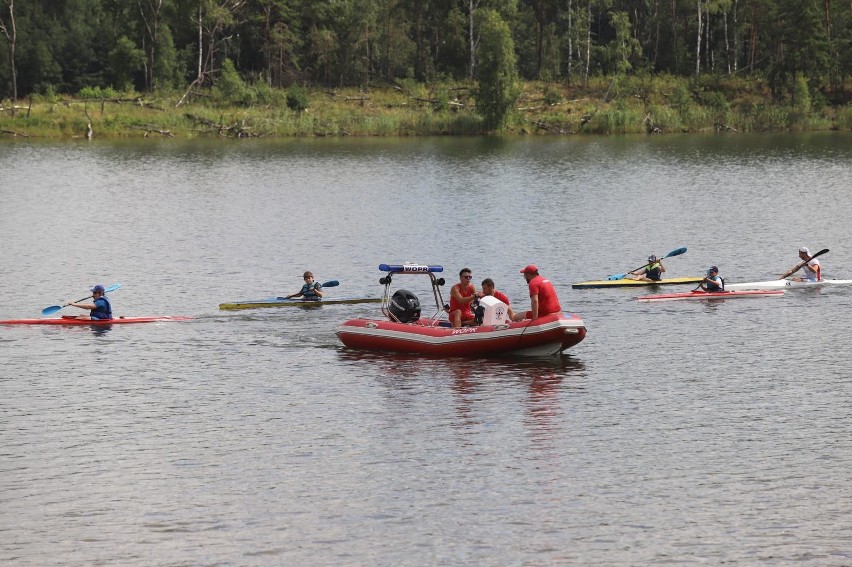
pixel 54 308
pixel 676 252
pixel 330 283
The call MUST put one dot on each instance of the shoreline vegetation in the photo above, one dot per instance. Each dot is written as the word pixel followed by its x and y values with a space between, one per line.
pixel 651 104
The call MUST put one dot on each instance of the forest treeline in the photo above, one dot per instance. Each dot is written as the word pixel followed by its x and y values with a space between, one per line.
pixel 66 45
pixel 798 52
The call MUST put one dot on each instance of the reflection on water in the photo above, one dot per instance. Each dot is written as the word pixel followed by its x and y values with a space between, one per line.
pixel 496 367
pixel 101 330
pixel 472 382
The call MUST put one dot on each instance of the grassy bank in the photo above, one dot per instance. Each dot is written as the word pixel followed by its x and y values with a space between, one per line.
pixel 605 106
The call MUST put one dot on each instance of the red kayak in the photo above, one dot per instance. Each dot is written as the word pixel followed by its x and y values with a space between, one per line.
pixel 71 320
pixel 698 294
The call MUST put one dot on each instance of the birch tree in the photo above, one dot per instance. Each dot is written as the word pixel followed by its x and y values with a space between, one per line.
pixel 149 11
pixel 9 29
pixel 472 5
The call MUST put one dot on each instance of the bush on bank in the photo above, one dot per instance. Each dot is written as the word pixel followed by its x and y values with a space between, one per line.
pixel 636 104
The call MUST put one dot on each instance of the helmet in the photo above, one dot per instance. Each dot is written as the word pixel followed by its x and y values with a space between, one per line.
pixel 404 306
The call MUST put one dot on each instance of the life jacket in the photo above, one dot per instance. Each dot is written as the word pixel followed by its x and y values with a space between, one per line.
pixel 309 291
pixel 715 285
pixel 102 310
pixel 654 272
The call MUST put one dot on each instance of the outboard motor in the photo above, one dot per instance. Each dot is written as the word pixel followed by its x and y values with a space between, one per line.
pixel 404 306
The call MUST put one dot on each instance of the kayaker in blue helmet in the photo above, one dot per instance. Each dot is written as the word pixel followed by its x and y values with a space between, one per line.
pixel 712 282
pixel 650 272
pixel 99 309
pixel 311 291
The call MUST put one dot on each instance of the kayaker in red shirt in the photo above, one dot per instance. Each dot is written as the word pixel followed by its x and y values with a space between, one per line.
pixel 488 289
pixel 543 299
pixel 461 296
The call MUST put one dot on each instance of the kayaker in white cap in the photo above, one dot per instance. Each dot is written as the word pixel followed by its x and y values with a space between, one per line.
pixel 810 268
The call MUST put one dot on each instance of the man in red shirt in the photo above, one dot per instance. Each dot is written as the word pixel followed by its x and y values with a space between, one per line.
pixel 543 299
pixel 488 289
pixel 461 296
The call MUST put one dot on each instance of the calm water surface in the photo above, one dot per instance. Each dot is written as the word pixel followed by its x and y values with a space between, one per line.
pixel 681 433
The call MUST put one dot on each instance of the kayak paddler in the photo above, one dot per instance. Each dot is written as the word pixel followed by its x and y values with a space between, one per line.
pixel 712 282
pixel 810 267
pixel 311 290
pixel 650 272
pixel 99 309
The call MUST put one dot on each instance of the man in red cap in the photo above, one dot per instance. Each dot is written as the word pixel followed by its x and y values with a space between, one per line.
pixel 543 299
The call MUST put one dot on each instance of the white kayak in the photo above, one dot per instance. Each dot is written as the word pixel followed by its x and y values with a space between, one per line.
pixel 784 284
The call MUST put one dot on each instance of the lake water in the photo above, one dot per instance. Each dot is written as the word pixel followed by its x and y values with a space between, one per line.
pixel 676 433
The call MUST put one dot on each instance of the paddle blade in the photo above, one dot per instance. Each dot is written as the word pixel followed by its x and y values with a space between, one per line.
pixel 113 287
pixel 51 310
pixel 332 283
pixel 676 252
pixel 617 277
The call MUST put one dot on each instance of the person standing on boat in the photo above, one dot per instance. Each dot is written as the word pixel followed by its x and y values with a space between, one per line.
pixel 543 298
pixel 461 296
pixel 712 282
pixel 488 289
pixel 99 309
pixel 311 291
pixel 651 272
pixel 811 267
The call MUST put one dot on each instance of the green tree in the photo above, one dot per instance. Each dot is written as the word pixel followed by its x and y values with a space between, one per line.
pixel 450 44
pixel 624 47
pixel 125 59
pixel 396 53
pixel 801 46
pixel 498 72
pixel 151 13
pixel 801 95
pixel 276 27
pixel 230 85
pixel 167 72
